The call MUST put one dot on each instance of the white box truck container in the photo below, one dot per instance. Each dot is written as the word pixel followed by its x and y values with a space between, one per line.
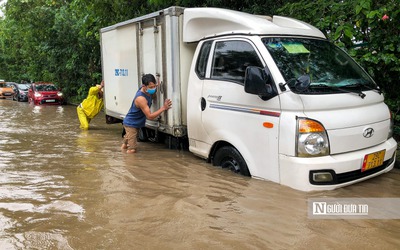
pixel 267 97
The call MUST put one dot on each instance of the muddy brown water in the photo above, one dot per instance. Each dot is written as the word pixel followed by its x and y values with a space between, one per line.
pixel 63 188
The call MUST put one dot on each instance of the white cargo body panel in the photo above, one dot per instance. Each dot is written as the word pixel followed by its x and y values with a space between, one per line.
pixel 119 69
pixel 150 44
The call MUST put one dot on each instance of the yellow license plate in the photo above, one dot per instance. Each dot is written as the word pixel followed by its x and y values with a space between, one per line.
pixel 373 160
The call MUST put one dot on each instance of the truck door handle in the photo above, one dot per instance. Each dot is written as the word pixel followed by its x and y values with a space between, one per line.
pixel 203 104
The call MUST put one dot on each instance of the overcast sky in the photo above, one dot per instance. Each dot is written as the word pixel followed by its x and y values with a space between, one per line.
pixel 1 3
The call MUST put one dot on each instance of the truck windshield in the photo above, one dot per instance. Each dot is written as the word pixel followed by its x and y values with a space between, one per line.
pixel 331 70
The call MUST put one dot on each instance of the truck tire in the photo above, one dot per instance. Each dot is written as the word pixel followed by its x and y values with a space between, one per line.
pixel 230 158
pixel 142 135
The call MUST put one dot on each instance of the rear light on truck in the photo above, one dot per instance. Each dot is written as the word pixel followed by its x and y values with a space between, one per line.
pixel 312 139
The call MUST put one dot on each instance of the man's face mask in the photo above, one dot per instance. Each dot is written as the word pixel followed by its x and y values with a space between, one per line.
pixel 151 91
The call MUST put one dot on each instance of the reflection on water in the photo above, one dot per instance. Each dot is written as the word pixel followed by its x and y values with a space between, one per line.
pixel 63 188
pixel 60 109
pixel 36 109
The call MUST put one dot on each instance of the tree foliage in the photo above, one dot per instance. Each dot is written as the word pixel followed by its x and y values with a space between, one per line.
pixel 58 40
pixel 369 30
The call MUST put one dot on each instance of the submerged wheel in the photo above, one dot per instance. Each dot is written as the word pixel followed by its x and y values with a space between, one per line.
pixel 142 135
pixel 230 158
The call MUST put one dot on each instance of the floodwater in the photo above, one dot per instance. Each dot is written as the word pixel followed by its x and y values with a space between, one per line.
pixel 63 188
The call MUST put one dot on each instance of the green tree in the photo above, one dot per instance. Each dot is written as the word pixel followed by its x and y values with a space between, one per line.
pixel 58 41
pixel 369 30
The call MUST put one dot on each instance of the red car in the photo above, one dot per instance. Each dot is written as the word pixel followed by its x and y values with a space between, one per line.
pixel 45 93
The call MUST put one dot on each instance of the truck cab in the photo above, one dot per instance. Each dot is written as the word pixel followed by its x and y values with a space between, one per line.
pixel 282 103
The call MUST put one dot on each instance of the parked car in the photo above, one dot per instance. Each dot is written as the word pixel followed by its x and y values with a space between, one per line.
pixel 45 93
pixel 6 90
pixel 20 91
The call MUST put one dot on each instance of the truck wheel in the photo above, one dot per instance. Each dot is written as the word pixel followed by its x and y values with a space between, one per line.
pixel 142 135
pixel 230 158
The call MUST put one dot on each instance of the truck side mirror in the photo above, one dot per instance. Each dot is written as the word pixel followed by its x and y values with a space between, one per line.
pixel 258 81
pixel 303 82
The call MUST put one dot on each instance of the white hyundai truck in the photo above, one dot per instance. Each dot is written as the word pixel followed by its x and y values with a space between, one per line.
pixel 267 97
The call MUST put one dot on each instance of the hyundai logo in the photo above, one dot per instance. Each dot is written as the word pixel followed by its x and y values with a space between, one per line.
pixel 368 132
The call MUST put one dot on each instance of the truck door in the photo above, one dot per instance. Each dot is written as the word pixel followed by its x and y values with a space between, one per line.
pixel 245 121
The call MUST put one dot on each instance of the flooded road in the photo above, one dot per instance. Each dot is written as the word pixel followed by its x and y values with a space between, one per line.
pixel 63 188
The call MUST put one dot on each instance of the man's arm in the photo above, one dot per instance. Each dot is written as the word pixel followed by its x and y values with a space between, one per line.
pixel 141 103
pixel 95 89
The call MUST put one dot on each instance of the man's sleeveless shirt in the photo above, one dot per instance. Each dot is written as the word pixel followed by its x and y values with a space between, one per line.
pixel 135 117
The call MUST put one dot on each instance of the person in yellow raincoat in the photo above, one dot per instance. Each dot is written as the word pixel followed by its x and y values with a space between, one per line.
pixel 91 106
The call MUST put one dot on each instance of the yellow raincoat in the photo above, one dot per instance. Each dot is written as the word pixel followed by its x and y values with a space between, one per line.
pixel 90 107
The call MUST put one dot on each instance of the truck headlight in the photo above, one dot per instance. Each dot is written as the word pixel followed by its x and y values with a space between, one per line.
pixel 312 139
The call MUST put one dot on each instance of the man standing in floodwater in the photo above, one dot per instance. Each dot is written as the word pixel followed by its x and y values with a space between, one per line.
pixel 140 111
pixel 91 106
